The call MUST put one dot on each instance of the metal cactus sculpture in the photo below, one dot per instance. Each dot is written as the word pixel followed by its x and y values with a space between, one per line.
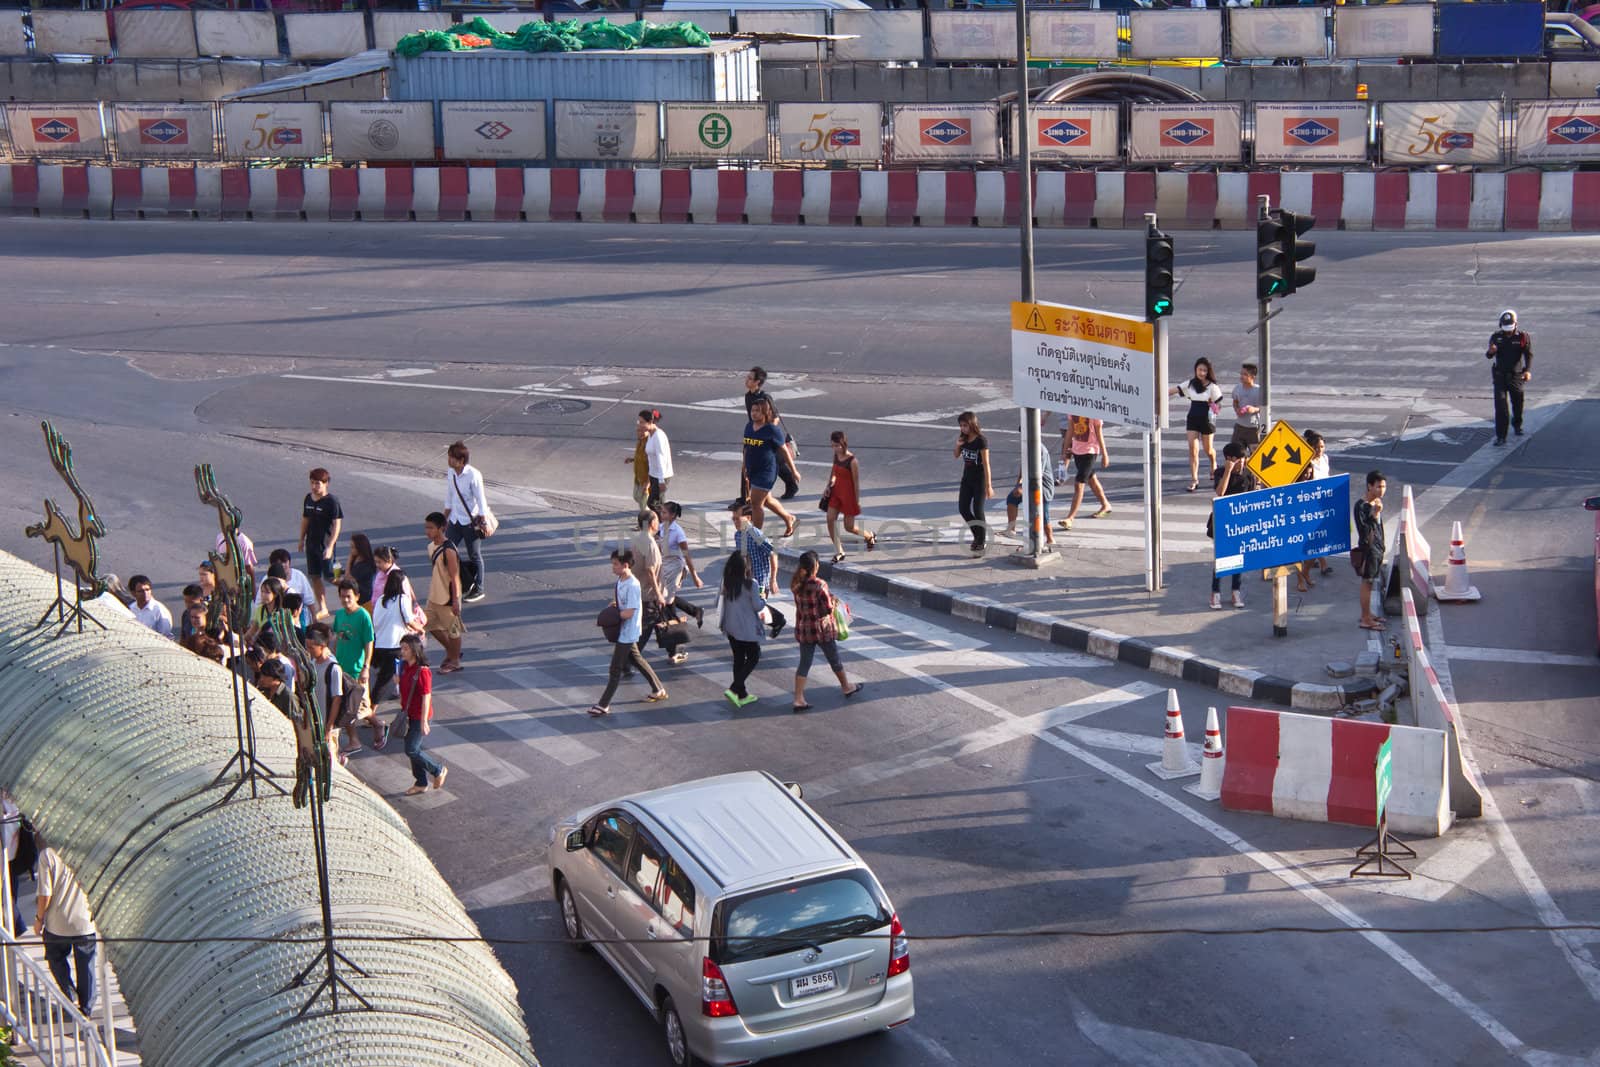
pixel 78 547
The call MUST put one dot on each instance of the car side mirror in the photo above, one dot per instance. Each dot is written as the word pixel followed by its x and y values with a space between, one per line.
pixel 575 841
pixel 1593 503
pixel 796 789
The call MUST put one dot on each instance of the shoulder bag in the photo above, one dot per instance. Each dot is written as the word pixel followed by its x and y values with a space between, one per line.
pixel 486 524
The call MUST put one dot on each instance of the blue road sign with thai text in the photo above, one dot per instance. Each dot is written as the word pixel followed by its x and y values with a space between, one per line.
pixel 1275 527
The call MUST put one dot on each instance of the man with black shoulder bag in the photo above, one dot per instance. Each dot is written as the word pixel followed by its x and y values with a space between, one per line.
pixel 468 517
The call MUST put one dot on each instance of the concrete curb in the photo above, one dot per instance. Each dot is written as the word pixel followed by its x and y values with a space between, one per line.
pixel 1105 644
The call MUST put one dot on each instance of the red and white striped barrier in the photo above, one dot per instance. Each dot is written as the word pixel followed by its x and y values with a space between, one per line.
pixel 1322 770
pixel 1354 200
pixel 1433 710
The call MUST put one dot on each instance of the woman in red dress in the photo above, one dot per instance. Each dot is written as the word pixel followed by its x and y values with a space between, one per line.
pixel 843 496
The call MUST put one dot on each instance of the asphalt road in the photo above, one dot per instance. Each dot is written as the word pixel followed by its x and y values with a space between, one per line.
pixel 980 816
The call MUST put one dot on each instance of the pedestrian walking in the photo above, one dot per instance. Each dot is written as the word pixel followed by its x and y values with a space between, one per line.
pixel 629 602
pixel 280 565
pixel 1247 428
pixel 1047 493
pixel 1204 396
pixel 977 484
pixel 1230 479
pixel 468 519
pixel 1086 444
pixel 640 462
pixel 393 617
pixel 16 848
pixel 352 648
pixel 269 603
pixel 1512 351
pixel 765 455
pixel 416 698
pixel 647 572
pixel 270 645
pixel 1317 468
pixel 147 609
pixel 443 610
pixel 814 628
pixel 760 560
pixel 658 457
pixel 842 498
pixel 1367 556
pixel 387 558
pixel 274 685
pixel 321 519
pixel 742 623
pixel 677 561
pixel 362 568
pixel 65 925
pixel 330 697
pixel 754 380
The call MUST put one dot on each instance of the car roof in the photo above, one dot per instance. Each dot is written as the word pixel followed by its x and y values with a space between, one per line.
pixel 744 829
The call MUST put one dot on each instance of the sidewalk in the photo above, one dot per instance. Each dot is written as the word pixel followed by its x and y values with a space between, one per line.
pixel 1094 601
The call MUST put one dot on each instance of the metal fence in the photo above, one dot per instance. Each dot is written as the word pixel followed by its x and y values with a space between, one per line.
pixel 36 1010
pixel 839 135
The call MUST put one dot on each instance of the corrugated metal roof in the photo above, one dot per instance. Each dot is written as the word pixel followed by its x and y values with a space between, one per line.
pixel 369 62
pixel 724 71
pixel 110 741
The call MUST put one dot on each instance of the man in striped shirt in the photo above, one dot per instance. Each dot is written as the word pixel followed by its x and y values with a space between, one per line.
pixel 752 544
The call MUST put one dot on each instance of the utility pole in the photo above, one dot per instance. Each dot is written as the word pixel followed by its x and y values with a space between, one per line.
pixel 1035 553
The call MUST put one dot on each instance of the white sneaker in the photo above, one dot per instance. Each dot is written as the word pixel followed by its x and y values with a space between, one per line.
pixel 1238 599
pixel 1216 601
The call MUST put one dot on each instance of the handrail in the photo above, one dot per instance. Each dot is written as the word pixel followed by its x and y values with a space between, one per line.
pixel 36 1010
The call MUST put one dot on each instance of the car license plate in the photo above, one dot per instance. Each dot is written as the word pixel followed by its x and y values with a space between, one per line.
pixel 811 984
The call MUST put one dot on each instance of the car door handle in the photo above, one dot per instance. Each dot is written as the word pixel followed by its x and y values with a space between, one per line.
pixel 611 891
pixel 650 931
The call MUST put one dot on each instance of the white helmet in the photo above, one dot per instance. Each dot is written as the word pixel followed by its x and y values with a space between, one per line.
pixel 1508 319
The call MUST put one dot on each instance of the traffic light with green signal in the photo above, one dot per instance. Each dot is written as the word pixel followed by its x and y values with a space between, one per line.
pixel 1158 280
pixel 1279 252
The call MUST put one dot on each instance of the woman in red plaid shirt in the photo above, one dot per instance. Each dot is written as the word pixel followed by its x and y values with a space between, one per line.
pixel 814 628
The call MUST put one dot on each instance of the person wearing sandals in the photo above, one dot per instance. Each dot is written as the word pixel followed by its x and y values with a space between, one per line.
pixel 416 698
pixel 1203 394
pixel 393 617
pixel 625 651
pixel 1231 479
pixel 444 592
pixel 1086 443
pixel 764 454
pixel 842 498
pixel 676 562
pixel 1047 493
pixel 814 628
pixel 742 622
pixel 1368 513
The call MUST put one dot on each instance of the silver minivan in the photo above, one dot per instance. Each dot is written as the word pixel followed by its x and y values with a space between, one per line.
pixel 745 924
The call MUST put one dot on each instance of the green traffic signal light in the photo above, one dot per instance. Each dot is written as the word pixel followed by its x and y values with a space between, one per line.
pixel 1271 262
pixel 1158 275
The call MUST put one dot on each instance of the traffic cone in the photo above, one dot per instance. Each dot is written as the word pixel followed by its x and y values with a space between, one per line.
pixel 1210 785
pixel 1174 761
pixel 1457 583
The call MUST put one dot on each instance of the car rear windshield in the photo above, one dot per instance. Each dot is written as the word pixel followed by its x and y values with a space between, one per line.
pixel 771 922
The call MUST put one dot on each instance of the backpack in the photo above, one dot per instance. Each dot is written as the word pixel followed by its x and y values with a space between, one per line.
pixel 349 685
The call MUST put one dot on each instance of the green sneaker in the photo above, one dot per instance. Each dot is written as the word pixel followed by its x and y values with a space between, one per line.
pixel 732 697
pixel 747 701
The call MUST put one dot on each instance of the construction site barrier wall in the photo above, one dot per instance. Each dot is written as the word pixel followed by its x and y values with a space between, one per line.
pixel 1105 199
pixel 1434 711
pixel 1322 770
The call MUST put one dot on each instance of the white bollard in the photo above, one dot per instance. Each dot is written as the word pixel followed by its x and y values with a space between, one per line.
pixel 1174 761
pixel 1210 785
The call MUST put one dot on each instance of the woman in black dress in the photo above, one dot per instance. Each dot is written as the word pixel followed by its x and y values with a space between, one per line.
pixel 1203 394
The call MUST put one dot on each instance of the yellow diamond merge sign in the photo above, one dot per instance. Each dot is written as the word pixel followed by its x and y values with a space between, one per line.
pixel 1280 457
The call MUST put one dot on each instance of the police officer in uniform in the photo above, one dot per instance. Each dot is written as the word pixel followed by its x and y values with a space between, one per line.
pixel 1512 352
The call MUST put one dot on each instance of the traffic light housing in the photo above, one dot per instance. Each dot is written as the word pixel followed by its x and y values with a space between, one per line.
pixel 1279 252
pixel 1158 279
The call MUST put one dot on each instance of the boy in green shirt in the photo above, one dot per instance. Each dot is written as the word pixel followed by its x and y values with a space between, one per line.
pixel 352 647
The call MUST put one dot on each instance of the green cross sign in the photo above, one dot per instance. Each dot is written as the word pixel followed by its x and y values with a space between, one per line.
pixel 715 130
pixel 1383 773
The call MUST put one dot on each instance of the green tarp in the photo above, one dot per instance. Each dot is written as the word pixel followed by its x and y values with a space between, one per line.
pixel 566 36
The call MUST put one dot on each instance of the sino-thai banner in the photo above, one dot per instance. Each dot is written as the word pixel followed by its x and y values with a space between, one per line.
pixel 825 132
pixel 493 129
pixel 606 129
pixel 56 130
pixel 1175 33
pixel 946 131
pixel 1311 133
pixel 874 36
pixel 1078 132
pixel 982 36
pixel 1382 31
pixel 257 130
pixel 386 129
pixel 1558 131
pixel 1441 131
pixel 1270 32
pixel 1184 133
pixel 1072 34
pixel 716 131
pixel 165 131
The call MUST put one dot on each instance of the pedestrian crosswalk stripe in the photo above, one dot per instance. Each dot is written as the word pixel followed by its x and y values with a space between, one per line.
pixel 519 725
pixel 452 750
pixel 388 773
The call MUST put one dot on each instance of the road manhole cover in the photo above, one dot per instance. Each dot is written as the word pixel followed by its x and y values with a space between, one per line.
pixel 557 406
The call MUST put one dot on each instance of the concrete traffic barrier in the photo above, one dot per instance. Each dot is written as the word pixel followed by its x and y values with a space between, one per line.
pixel 1322 770
pixel 1360 190
pixel 1110 189
pixel 675 194
pixel 344 193
pixel 874 207
pixel 1138 197
pixel 758 197
pixel 1236 208
pixel 1487 210
pixel 1585 200
pixel 565 190
pixel 1555 201
pixel 991 204
pixel 536 194
pixel 277 193
pixel 494 194
pixel 1422 200
pixel 1391 189
pixel 1432 709
pixel 1523 188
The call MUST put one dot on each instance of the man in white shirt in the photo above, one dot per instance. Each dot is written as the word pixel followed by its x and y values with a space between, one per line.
pixel 147 609
pixel 295 581
pixel 465 508
pixel 658 455
pixel 66 927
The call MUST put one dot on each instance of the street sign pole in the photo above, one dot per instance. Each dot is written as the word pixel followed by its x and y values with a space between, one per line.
pixel 1034 552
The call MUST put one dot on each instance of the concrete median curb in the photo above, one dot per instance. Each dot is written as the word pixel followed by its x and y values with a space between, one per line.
pixel 1096 641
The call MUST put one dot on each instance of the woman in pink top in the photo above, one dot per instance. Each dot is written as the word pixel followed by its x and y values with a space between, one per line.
pixel 1086 441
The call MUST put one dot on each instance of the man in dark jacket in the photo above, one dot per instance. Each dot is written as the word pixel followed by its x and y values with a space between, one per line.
pixel 1512 351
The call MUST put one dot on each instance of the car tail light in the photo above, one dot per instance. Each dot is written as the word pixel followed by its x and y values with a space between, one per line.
pixel 715 1000
pixel 899 948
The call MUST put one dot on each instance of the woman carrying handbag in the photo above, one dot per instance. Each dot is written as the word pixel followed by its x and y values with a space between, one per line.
pixel 416 699
pixel 814 628
pixel 842 498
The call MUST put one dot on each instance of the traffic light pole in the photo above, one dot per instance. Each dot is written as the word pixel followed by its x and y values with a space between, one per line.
pixel 1152 465
pixel 1264 330
pixel 1035 553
